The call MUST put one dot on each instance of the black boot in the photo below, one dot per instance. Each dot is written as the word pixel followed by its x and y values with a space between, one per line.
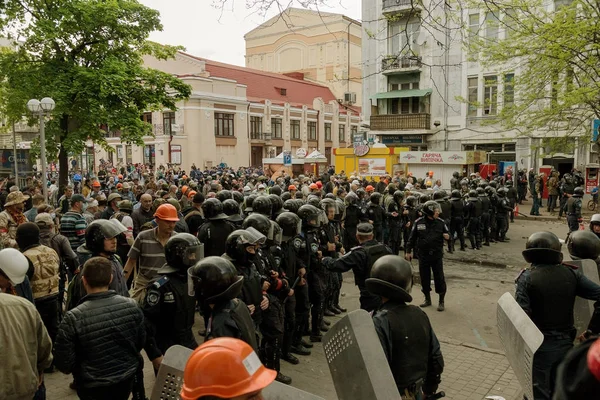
pixel 324 327
pixel 289 357
pixel 306 344
pixel 283 378
pixel 300 350
pixel 427 301
pixel 328 312
pixel 441 305
pixel 340 308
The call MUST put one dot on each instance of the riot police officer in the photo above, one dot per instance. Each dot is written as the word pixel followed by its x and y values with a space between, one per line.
pixel 546 291
pixel 502 209
pixel 232 209
pixel 216 285
pixel 566 190
pixel 213 233
pixel 457 224
pixel 375 214
pixel 394 215
pixel 168 308
pixel 408 340
pixel 354 215
pixel 455 181
pixel 573 209
pixel 359 260
pixel 330 247
pixel 446 214
pixel 584 245
pixel 485 215
pixel 409 216
pixel 430 232
pixel 474 211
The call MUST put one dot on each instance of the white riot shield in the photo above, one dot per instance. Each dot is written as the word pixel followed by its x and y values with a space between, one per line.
pixel 356 360
pixel 584 309
pixel 170 379
pixel 520 339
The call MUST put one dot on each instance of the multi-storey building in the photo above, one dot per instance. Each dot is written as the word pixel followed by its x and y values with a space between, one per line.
pixel 237 116
pixel 325 47
pixel 421 89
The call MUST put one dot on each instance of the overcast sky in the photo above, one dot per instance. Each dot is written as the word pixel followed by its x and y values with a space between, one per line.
pixel 195 24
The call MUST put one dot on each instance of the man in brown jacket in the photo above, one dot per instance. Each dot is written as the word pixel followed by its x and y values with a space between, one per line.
pixel 11 218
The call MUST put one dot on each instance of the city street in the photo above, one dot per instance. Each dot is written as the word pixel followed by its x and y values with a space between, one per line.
pixel 475 364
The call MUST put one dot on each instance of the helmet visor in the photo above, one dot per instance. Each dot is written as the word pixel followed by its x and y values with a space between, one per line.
pixel 275 233
pixel 193 281
pixel 323 220
pixel 112 229
pixel 193 254
pixel 253 236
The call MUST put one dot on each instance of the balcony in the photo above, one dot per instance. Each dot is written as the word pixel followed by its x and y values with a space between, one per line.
pixel 400 64
pixel 259 137
pixel 399 122
pixel 394 6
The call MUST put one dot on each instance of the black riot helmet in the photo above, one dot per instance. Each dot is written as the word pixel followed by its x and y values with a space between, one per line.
pixel 249 202
pixel 398 196
pixel 440 195
pixel 455 174
pixel 213 209
pixel 429 208
pixel 290 224
pixel 473 194
pixel 411 201
pixel 262 205
pixel 494 184
pixel 309 215
pixel 391 277
pixel 584 245
pixel 214 279
pixel 291 205
pixel 231 207
pixel 340 210
pixel 578 192
pixel 483 184
pixel 456 194
pixel 376 198
pixel 543 248
pixel 238 240
pixel 238 196
pixel 261 223
pixel 424 198
pixel 490 191
pixel 181 252
pixel 276 202
pixel 224 195
pixel 276 190
pixel 99 230
pixel 351 199
pixel 361 193
pixel 313 200
pixel 285 196
pixel 327 204
pixel 502 192
pixel 330 196
pixel 480 191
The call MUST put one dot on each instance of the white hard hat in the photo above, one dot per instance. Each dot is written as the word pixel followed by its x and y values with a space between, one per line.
pixel 14 265
pixel 595 218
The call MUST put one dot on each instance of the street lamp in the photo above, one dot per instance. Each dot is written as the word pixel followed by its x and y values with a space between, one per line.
pixel 42 108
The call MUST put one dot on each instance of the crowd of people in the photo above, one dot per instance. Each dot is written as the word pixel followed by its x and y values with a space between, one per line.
pixel 124 261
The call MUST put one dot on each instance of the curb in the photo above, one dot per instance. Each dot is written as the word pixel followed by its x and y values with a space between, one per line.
pixel 477 261
pixel 454 342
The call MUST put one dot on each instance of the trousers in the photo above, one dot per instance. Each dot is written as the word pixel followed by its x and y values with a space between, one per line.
pixel 316 294
pixel 302 312
pixel 433 263
pixel 48 309
pixel 545 362
pixel 117 391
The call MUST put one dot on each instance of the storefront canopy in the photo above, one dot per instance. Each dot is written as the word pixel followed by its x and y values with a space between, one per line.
pixel 400 94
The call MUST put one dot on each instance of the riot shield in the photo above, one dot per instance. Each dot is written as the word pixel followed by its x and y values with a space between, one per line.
pixel 520 339
pixel 584 309
pixel 356 360
pixel 170 379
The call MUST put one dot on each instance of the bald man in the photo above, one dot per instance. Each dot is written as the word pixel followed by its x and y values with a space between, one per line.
pixel 143 214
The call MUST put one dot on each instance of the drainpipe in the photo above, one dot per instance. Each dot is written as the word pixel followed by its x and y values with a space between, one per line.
pixel 248 133
pixel 348 80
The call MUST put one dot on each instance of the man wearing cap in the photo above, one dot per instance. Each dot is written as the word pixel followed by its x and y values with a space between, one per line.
pixel 112 207
pixel 194 218
pixel 360 259
pixel 73 223
pixel 90 211
pixel 148 250
pixel 95 190
pixel 11 218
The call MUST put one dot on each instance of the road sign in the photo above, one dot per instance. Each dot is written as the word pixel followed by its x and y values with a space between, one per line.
pixel 595 129
pixel 287 158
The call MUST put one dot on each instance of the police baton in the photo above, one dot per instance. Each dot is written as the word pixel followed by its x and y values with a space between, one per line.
pixel 436 396
pixel 292 288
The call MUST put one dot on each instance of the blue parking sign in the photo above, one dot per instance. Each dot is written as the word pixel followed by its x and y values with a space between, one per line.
pixel 287 158
pixel 595 129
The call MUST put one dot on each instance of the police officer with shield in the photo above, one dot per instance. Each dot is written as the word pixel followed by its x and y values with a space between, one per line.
pixel 573 209
pixel 430 232
pixel 409 343
pixel 546 291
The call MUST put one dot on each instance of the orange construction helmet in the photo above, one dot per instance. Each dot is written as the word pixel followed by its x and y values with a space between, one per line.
pixel 191 194
pixel 225 368
pixel 184 177
pixel 184 189
pixel 120 176
pixel 313 186
pixel 166 212
pixel 370 188
pixel 292 187
pixel 96 184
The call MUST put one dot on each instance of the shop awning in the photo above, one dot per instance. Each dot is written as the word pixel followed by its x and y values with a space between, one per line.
pixel 400 94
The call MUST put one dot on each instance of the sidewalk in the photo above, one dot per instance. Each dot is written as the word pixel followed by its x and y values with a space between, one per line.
pixel 525 208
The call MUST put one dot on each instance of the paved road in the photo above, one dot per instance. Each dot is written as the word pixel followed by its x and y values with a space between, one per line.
pixel 475 366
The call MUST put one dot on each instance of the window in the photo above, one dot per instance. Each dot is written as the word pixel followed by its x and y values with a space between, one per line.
pixel 147 117
pixel 129 154
pixel 283 92
pixel 279 150
pixel 353 130
pixel 510 21
pixel 224 124
pixel 403 35
pixel 509 90
pixel 295 129
pixel 342 133
pixel 491 26
pixel 276 128
pixel 328 132
pixel 312 130
pixel 473 88
pixel 255 127
pixel 168 122
pixel 473 27
pixel 119 153
pixel 490 93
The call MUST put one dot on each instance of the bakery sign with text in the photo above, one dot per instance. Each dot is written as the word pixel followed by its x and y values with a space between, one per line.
pixel 433 157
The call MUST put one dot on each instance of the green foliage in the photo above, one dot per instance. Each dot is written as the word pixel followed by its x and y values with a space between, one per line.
pixel 87 56
pixel 555 56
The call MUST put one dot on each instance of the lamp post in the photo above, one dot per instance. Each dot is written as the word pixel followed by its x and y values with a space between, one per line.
pixel 42 108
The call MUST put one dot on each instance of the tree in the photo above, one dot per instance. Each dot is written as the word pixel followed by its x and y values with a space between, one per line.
pixel 555 56
pixel 87 56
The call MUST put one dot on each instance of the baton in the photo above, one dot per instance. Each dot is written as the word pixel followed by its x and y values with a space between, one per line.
pixel 292 288
pixel 436 396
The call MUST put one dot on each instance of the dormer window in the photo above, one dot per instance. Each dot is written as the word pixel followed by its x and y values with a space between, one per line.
pixel 283 91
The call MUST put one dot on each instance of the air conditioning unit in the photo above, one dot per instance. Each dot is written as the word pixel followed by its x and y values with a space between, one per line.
pixel 349 97
pixel 594 148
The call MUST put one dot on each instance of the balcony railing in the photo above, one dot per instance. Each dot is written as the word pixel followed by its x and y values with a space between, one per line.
pixel 401 62
pixel 260 136
pixel 399 5
pixel 396 122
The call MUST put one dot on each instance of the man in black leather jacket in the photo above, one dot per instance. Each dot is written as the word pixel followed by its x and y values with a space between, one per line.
pixel 103 356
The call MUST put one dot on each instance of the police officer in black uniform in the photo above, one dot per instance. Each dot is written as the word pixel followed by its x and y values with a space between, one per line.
pixel 354 215
pixel 375 213
pixel 232 209
pixel 217 286
pixel 584 245
pixel 213 233
pixel 502 209
pixel 455 181
pixel 330 247
pixel 546 291
pixel 168 308
pixel 430 233
pixel 566 189
pixel 573 209
pixel 360 259
pixel 394 216
pixel 446 215
pixel 457 224
pixel 409 216
pixel 485 215
pixel 474 212
pixel 491 192
pixel 408 340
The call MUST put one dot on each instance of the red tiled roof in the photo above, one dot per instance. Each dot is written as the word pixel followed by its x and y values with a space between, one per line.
pixel 263 85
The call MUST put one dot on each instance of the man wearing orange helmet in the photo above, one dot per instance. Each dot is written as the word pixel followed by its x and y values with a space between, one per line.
pixel 225 368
